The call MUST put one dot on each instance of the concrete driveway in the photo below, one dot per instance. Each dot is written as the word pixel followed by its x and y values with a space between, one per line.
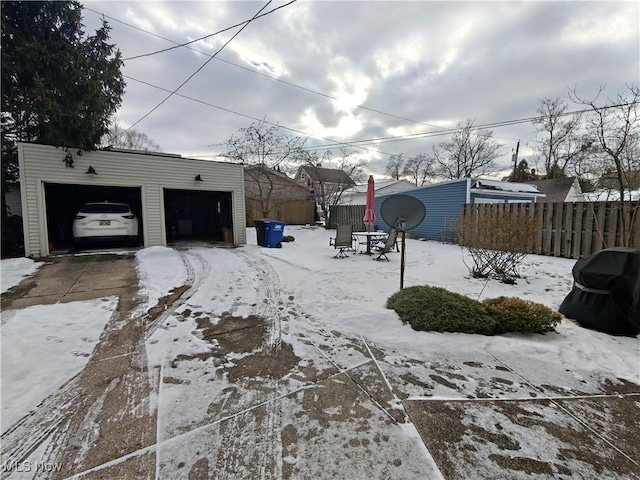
pixel 337 410
pixel 75 277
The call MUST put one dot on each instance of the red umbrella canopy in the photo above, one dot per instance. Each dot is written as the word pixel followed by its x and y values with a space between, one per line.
pixel 369 214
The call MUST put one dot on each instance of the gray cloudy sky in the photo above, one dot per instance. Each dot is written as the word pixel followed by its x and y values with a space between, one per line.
pixel 431 63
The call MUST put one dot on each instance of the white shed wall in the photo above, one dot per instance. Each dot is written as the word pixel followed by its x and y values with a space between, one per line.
pixel 40 164
pixel 575 193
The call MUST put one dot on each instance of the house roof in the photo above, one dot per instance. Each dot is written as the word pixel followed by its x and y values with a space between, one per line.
pixel 261 171
pixel 556 189
pixel 327 175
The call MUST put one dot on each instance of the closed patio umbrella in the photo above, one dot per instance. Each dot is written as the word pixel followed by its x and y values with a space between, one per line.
pixel 369 214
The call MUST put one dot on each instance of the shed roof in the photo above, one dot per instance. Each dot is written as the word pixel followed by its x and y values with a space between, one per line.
pixel 556 189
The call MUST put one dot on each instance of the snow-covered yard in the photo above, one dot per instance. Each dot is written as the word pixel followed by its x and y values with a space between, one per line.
pixel 326 319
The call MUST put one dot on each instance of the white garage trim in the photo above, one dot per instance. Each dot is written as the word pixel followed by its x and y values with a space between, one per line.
pixel 151 173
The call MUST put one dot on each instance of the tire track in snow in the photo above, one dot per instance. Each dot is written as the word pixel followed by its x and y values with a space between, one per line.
pixel 51 418
pixel 272 305
pixel 251 443
pixel 196 276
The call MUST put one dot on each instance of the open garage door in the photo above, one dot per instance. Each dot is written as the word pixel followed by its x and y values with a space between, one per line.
pixel 64 201
pixel 197 215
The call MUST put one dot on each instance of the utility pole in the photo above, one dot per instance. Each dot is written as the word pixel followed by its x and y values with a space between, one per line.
pixel 514 157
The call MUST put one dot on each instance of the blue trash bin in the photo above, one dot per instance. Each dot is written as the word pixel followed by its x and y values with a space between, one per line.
pixel 270 233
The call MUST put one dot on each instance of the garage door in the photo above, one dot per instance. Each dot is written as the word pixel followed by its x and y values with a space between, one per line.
pixel 62 202
pixel 198 215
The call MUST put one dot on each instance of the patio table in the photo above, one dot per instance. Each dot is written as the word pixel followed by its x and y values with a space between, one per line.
pixel 370 237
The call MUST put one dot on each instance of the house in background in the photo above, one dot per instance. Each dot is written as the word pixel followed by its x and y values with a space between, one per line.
pixel 444 201
pixel 560 189
pixel 332 178
pixel 273 194
pixel 357 195
pixel 326 184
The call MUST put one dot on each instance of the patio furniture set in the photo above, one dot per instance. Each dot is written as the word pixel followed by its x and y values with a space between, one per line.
pixel 377 243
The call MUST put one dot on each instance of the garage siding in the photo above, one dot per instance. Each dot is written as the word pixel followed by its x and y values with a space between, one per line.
pixel 40 164
pixel 153 223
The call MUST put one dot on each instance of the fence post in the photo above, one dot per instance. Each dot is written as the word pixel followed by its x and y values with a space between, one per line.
pixel 547 228
pixel 577 238
pixel 635 232
pixel 568 226
pixel 600 226
pixel 557 237
pixel 613 236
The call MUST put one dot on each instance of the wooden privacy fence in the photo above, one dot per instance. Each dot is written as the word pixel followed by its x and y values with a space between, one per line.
pixel 572 230
pixel 293 212
pixel 347 215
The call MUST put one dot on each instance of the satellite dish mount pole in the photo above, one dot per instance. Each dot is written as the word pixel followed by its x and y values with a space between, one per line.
pixel 401 226
pixel 402 213
pixel 402 264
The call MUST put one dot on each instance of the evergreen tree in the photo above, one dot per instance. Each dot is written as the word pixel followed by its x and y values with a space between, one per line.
pixel 59 87
pixel 523 172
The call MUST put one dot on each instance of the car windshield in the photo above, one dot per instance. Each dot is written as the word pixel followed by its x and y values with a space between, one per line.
pixel 104 208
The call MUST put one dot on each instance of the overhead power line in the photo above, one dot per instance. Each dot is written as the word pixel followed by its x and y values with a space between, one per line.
pixel 209 35
pixel 362 144
pixel 198 70
pixel 359 144
pixel 255 72
pixel 438 133
pixel 347 144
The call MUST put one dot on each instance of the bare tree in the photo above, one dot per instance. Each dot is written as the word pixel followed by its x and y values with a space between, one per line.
pixel 560 145
pixel 329 186
pixel 121 137
pixel 352 166
pixel 470 152
pixel 614 127
pixel 264 151
pixel 395 167
pixel 420 169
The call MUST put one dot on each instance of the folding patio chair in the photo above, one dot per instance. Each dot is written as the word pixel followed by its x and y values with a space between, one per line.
pixel 343 240
pixel 387 246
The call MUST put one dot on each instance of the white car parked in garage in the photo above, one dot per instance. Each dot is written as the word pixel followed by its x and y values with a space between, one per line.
pixel 105 221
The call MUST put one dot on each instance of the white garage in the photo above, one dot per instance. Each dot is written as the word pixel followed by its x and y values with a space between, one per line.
pixel 175 199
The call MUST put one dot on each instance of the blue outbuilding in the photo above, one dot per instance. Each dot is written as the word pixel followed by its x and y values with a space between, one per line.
pixel 444 201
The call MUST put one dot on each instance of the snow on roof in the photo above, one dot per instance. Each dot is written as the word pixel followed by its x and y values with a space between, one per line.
pixel 379 184
pixel 611 195
pixel 504 186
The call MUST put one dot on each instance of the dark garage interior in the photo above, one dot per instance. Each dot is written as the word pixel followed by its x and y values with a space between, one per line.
pixel 198 215
pixel 64 201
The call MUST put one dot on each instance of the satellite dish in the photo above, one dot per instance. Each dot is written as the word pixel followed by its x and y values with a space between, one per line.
pixel 402 212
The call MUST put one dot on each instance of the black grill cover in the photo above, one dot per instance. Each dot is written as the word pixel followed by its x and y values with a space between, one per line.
pixel 606 292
